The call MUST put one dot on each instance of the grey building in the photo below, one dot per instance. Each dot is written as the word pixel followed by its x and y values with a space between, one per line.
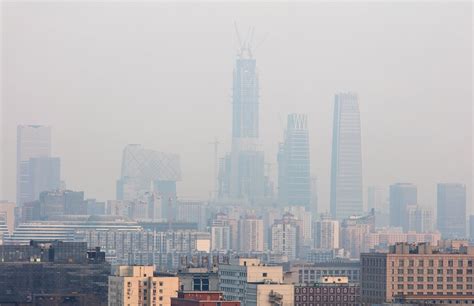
pixel 451 203
pixel 44 175
pixel 402 195
pixel 311 273
pixel 198 279
pixel 57 203
pixel 53 273
pixel 294 179
pixel 346 163
pixel 32 141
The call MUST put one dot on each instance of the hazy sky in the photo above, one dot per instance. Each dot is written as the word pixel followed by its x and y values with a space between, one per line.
pixel 106 74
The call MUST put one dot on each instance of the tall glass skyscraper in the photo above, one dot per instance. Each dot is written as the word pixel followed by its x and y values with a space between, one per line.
pixel 294 181
pixel 32 141
pixel 346 164
pixel 452 210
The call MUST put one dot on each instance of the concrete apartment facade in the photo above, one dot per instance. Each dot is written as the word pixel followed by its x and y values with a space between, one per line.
pixel 419 273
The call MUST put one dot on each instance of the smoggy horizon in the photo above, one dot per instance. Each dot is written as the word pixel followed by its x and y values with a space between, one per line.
pixel 164 80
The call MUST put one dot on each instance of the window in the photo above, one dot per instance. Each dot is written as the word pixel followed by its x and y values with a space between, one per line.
pixel 419 286
pixel 459 271
pixel 430 271
pixel 459 279
pixel 264 274
pixel 419 271
pixel 460 263
pixel 429 279
pixel 440 263
pixel 420 278
pixel 400 278
pixel 411 262
pixel 450 263
pixel 410 278
pixel 431 263
pixel 449 286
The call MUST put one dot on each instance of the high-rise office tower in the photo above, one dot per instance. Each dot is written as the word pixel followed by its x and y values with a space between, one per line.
pixel 452 210
pixel 346 164
pixel 402 195
pixel 242 173
pixel 32 141
pixel 294 180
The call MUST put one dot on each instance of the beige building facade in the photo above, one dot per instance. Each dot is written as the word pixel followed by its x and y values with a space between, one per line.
pixel 137 285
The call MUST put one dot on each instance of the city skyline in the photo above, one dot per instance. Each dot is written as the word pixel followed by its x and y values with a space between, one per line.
pixel 411 128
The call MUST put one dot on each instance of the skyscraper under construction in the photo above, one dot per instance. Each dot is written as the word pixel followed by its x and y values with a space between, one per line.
pixel 242 170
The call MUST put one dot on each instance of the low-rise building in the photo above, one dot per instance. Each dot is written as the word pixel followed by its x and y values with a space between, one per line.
pixel 269 294
pixel 419 273
pixel 329 291
pixel 198 279
pixel 312 272
pixel 138 285
pixel 47 273
pixel 235 277
pixel 201 298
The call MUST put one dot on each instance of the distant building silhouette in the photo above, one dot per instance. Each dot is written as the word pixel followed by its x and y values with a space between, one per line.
pixel 143 170
pixel 294 179
pixel 346 164
pixel 242 171
pixel 44 175
pixel 32 141
pixel 402 195
pixel 452 210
